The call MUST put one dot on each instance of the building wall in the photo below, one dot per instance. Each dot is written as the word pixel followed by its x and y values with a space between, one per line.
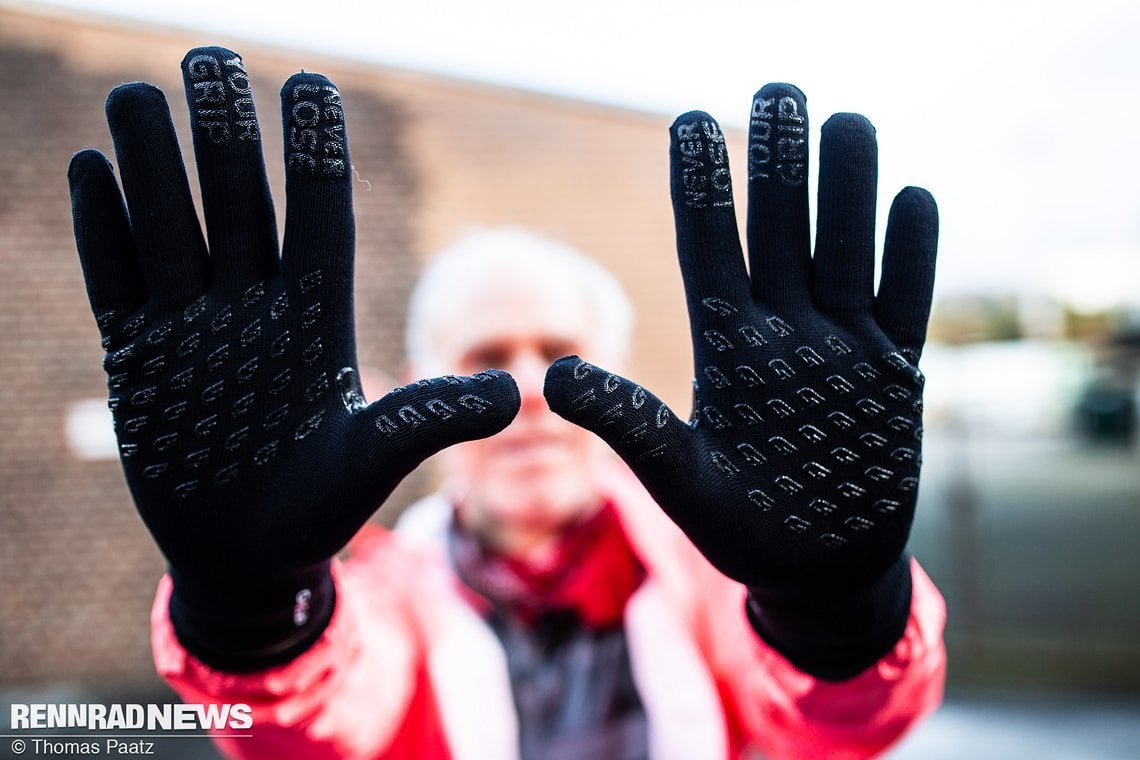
pixel 435 159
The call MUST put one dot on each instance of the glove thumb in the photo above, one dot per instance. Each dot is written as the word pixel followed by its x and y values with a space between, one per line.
pixel 402 429
pixel 635 423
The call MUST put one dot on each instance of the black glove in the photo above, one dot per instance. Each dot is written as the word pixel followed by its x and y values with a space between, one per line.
pixel 245 440
pixel 797 474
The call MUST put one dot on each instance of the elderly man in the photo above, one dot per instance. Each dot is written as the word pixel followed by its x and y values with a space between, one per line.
pixel 542 605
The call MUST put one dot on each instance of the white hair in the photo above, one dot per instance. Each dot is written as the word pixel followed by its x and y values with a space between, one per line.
pixel 466 265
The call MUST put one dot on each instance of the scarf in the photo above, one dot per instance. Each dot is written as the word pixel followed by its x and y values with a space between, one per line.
pixel 592 572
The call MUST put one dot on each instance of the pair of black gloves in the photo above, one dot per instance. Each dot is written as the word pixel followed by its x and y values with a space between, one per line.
pixel 253 457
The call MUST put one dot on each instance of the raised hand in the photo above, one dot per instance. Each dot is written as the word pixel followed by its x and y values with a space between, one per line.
pixel 797 473
pixel 248 448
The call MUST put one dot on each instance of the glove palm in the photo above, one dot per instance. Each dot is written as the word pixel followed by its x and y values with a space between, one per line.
pixel 244 437
pixel 798 471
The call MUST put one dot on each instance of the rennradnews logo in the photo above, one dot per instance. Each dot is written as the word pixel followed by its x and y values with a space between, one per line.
pixel 151 717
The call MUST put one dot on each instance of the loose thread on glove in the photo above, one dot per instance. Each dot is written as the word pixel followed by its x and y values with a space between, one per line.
pixel 361 179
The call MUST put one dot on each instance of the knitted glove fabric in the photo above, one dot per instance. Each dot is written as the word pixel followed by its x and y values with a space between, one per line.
pixel 798 471
pixel 247 445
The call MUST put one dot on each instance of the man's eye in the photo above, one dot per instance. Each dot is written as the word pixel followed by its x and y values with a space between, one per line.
pixel 553 351
pixel 488 359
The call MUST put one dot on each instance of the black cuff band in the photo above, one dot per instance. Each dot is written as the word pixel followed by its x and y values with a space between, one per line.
pixel 835 636
pixel 243 624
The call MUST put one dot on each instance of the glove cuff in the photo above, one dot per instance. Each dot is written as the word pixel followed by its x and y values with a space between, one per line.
pixel 835 635
pixel 241 624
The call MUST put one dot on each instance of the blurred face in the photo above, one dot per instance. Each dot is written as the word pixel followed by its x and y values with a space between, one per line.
pixel 521 487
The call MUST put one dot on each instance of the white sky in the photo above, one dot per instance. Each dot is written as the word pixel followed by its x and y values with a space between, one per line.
pixel 1021 117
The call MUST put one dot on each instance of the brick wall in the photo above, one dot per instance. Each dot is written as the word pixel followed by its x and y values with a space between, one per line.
pixel 436 158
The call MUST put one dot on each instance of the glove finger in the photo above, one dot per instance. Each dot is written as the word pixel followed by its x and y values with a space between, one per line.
pixel 103 238
pixel 172 252
pixel 317 254
pixel 240 222
pixel 906 288
pixel 779 227
pixel 392 436
pixel 637 425
pixel 844 267
pixel 708 243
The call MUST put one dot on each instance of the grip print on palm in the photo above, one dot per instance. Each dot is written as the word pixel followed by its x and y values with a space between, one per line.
pixel 249 450
pixel 799 466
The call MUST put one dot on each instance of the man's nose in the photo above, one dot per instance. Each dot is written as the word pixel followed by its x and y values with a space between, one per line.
pixel 529 372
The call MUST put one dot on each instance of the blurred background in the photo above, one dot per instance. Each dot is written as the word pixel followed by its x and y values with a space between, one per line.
pixel 1017 116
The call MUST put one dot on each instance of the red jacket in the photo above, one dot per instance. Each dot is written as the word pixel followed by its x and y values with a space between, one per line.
pixel 407 669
